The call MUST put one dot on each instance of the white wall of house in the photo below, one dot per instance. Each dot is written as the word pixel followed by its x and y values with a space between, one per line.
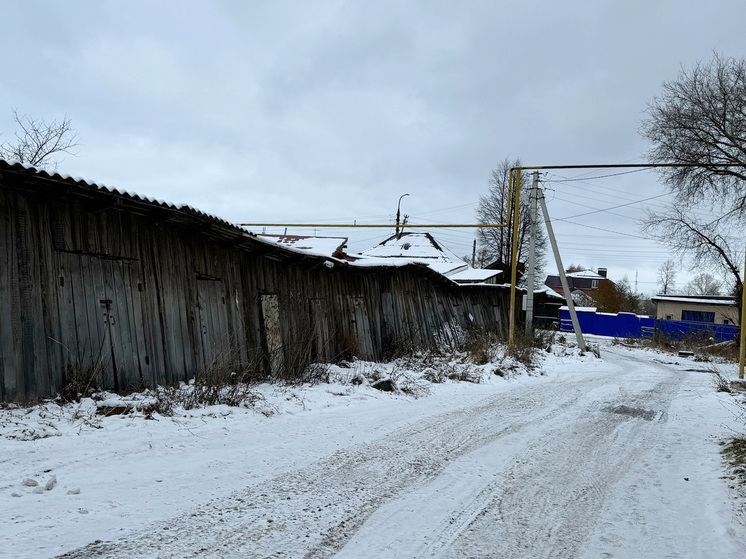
pixel 725 313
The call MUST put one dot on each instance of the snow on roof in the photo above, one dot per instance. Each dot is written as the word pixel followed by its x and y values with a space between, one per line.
pixel 415 248
pixel 317 246
pixel 474 274
pixel 585 274
pixel 697 300
pixel 549 292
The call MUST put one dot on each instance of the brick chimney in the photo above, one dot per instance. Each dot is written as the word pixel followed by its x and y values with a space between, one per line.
pixel 602 272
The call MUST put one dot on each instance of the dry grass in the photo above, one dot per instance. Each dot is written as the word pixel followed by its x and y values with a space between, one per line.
pixel 734 452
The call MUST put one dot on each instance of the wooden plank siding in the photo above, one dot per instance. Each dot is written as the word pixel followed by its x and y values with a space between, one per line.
pixel 150 294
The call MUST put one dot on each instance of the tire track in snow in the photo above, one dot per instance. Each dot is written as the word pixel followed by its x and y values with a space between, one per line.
pixel 546 504
pixel 313 512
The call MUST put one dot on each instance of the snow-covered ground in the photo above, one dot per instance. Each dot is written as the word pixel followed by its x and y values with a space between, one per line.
pixel 615 457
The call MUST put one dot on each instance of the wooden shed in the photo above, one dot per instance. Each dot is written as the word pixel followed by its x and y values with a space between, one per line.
pixel 151 293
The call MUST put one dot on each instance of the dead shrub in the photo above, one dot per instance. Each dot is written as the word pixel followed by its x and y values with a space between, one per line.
pixel 734 452
pixel 721 383
pixel 436 376
pixel 300 367
pixel 726 350
pixel 398 347
pixel 466 374
pixel 79 381
pixel 413 386
pixel 84 374
pixel 226 380
pixel 522 351
pixel 481 345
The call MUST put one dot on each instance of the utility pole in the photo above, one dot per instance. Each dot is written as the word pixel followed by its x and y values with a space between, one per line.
pixel 515 198
pixel 515 181
pixel 563 277
pixel 531 272
pixel 474 254
pixel 742 326
pixel 398 212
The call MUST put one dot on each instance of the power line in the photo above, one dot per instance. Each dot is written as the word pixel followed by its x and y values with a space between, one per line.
pixel 594 178
pixel 598 210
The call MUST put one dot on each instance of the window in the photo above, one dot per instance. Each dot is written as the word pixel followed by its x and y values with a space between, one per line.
pixel 594 284
pixel 727 321
pixel 698 316
pixel 669 317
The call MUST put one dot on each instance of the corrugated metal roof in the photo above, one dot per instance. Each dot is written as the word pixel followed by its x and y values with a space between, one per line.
pixel 64 188
pixel 34 173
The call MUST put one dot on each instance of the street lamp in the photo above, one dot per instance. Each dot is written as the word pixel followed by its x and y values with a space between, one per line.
pixel 398 212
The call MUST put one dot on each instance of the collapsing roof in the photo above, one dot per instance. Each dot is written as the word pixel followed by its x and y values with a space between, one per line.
pixel 331 247
pixel 422 248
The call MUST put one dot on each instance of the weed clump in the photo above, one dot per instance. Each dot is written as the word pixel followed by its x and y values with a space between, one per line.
pixel 734 453
pixel 721 383
pixel 79 381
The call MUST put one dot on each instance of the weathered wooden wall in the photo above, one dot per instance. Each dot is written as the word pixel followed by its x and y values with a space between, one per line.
pixel 149 293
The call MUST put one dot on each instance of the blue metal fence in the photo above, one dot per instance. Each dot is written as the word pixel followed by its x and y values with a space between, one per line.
pixel 629 325
pixel 678 330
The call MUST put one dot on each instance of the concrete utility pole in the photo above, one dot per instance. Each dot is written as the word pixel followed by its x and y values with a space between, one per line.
pixel 514 179
pixel 531 272
pixel 561 270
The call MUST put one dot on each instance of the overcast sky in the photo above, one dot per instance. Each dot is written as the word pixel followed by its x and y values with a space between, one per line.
pixel 329 111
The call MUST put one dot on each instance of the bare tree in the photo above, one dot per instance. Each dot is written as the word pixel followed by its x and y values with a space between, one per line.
pixel 700 119
pixel 710 243
pixel 614 297
pixel 37 142
pixel 497 207
pixel 704 284
pixel 479 260
pixel 667 276
pixel 575 268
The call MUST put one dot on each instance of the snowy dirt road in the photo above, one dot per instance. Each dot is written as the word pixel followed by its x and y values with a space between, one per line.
pixel 583 465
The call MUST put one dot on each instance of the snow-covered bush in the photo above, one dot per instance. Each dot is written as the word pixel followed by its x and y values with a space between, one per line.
pixel 435 375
